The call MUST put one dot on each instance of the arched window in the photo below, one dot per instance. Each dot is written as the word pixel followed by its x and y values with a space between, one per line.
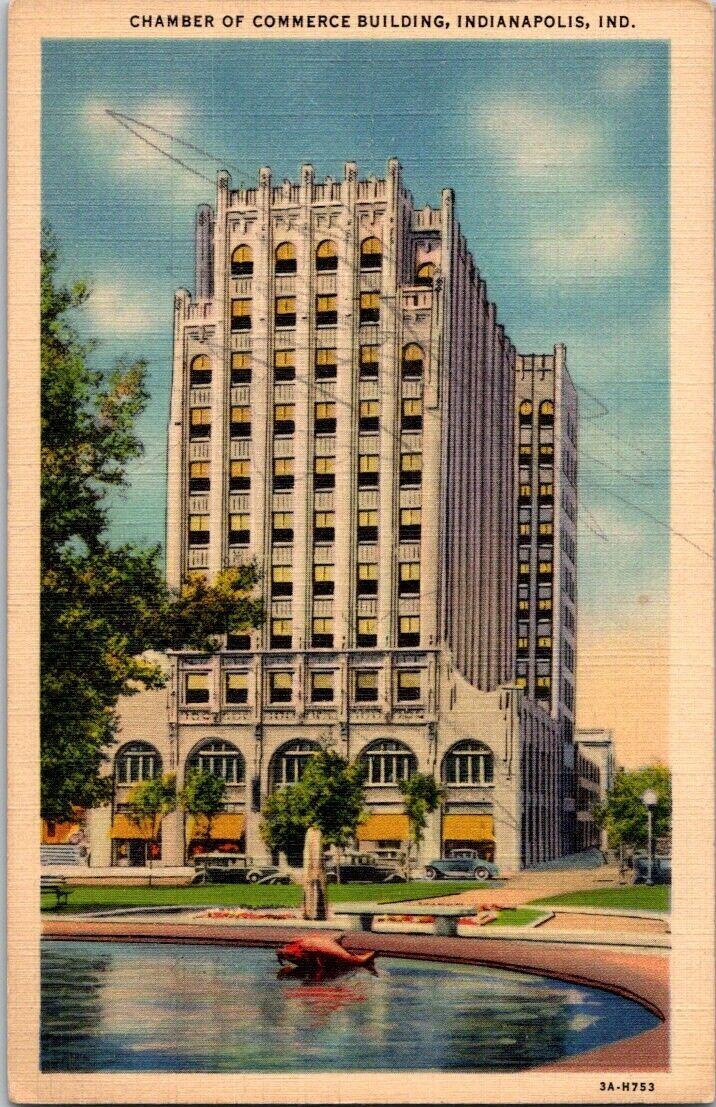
pixel 286 258
pixel 137 762
pixel 242 262
pixel 371 253
pixel 412 360
pixel 425 274
pixel 200 370
pixel 388 762
pixel 327 256
pixel 525 412
pixel 546 413
pixel 290 761
pixel 469 763
pixel 220 759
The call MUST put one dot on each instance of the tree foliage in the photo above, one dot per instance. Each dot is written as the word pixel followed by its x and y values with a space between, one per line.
pixel 623 813
pixel 150 801
pixel 202 797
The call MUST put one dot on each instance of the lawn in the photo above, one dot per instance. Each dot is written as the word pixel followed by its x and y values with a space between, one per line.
pixel 86 897
pixel 521 916
pixel 642 896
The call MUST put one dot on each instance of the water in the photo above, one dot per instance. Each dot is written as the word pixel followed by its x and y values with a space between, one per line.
pixel 109 1007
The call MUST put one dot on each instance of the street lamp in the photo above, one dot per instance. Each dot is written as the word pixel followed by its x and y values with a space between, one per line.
pixel 650 800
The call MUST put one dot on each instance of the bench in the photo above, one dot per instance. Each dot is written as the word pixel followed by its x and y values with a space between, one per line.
pixel 446 916
pixel 56 884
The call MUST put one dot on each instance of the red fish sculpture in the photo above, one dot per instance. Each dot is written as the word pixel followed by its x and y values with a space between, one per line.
pixel 316 958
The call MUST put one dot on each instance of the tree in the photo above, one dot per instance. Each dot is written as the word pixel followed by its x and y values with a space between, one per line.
pixel 149 802
pixel 623 813
pixel 421 796
pixel 102 607
pixel 202 797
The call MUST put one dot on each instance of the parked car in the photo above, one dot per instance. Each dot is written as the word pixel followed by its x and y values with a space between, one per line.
pixel 462 864
pixel 235 868
pixel 660 869
pixel 366 868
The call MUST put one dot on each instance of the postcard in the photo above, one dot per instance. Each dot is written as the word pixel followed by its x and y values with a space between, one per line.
pixel 361 552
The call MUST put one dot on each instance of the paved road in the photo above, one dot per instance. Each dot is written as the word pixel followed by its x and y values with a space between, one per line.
pixel 538 884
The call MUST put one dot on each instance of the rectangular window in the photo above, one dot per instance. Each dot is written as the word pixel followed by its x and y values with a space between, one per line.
pixel 280 685
pixel 409 582
pixel 239 529
pixel 324 523
pixel 200 422
pixel 281 632
pixel 367 578
pixel 326 311
pixel 410 524
pixel 285 311
pixel 282 580
pixel 408 685
pixel 196 688
pixel 284 418
pixel 322 632
pixel 282 530
pixel 369 307
pixel 325 418
pixel 238 640
pixel 368 468
pixel 284 365
pixel 412 414
pixel 525 491
pixel 323 580
pixel 367 631
pixel 545 490
pixel 321 687
pixel 366 685
pixel 240 422
pixel 546 528
pixel 411 469
pixel 409 630
pixel 241 315
pixel 369 355
pixel 368 414
pixel 198 530
pixel 282 473
pixel 199 476
pixel 367 526
pixel 240 475
pixel 326 363
pixel 200 372
pixel 324 472
pixel 237 687
pixel 241 368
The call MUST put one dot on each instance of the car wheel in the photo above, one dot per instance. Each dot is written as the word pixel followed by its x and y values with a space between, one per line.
pixel 253 878
pixel 431 873
pixel 481 873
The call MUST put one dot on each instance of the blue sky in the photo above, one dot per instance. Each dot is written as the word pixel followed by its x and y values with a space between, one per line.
pixel 558 154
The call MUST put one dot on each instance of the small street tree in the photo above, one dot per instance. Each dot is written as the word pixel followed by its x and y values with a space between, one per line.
pixel 202 797
pixel 149 802
pixel 623 813
pixel 421 796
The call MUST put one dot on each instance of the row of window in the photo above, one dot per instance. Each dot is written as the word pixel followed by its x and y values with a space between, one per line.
pixel 285 310
pixel 324 473
pixel 325 364
pixel 322 635
pixel 326 259
pixel 545 413
pixel 366 579
pixel 284 418
pixel 324 527
pixel 321 686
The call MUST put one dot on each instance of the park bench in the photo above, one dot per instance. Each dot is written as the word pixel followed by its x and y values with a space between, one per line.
pixel 56 884
pixel 446 916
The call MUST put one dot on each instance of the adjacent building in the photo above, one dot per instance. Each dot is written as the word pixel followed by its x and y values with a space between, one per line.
pixel 597 767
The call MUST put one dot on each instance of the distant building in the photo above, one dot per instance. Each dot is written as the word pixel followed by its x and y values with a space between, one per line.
pixel 597 748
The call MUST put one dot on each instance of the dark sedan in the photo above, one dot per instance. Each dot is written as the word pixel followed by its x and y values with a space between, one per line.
pixel 462 865
pixel 369 870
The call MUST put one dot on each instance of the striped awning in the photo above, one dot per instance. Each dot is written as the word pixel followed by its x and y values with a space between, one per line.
pixel 378 828
pixel 124 827
pixel 468 828
pixel 225 825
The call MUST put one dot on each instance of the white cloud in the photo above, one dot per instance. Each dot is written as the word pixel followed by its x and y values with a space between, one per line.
pixel 117 308
pixel 624 77
pixel 535 140
pixel 610 238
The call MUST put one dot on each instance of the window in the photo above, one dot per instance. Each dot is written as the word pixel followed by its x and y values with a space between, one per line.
pixel 321 687
pixel 241 368
pixel 409 630
pixel 322 632
pixel 240 475
pixel 285 315
pixel 412 360
pixel 242 262
pixel 220 758
pixel 408 686
pixel 367 631
pixel 196 688
pixel 282 473
pixel 200 371
pixel 369 355
pixel 199 476
pixel 237 688
pixel 324 523
pixel 410 524
pixel 326 310
pixel 285 258
pixel 241 315
pixel 411 469
pixel 238 640
pixel 388 762
pixel 239 529
pixel 281 632
pixel 546 528
pixel 546 414
pixel 200 422
pixel 280 686
pixel 409 578
pixel 284 365
pixel 282 530
pixel 526 412
pixel 198 530
pixel 281 580
pixel 366 685
pixel 326 363
pixel 425 274
pixel 324 472
pixel 367 578
pixel 545 491
pixel 412 415
pixel 521 679
pixel 325 418
pixel 368 414
pixel 523 597
pixel 283 418
pixel 469 763
pixel 525 449
pixel 371 253
pixel 369 307
pixel 240 421
pixel 367 526
pixel 326 256
pixel 323 580
pixel 137 762
pixel 544 602
pixel 368 470
pixel 290 761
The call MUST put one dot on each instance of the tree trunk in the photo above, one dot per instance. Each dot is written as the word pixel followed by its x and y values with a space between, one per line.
pixel 339 858
pixel 314 876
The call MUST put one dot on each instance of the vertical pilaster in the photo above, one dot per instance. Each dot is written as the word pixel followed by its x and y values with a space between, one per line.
pixel 262 389
pixel 218 493
pixel 177 437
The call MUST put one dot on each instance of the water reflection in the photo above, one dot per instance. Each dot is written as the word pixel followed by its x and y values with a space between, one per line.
pixel 116 1008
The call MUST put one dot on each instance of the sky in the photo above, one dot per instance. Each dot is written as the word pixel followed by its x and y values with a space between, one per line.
pixel 558 154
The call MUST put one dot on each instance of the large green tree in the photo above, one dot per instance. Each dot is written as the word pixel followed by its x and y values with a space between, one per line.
pixel 203 797
pixel 623 813
pixel 103 606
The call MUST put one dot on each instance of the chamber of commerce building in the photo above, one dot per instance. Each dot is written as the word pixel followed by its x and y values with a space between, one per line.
pixel 347 411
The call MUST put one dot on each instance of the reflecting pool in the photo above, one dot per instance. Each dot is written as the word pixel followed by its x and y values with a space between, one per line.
pixel 109 1007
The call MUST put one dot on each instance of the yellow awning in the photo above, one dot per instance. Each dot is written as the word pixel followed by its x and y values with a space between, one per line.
pixel 223 825
pixel 378 828
pixel 124 827
pixel 61 834
pixel 471 828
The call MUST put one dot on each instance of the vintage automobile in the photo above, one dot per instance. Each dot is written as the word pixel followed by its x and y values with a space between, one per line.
pixel 462 864
pixel 366 868
pixel 235 868
pixel 660 869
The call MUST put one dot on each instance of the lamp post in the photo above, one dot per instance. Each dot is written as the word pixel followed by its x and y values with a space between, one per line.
pixel 650 800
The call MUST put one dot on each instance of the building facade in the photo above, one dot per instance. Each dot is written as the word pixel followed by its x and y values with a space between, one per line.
pixel 596 746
